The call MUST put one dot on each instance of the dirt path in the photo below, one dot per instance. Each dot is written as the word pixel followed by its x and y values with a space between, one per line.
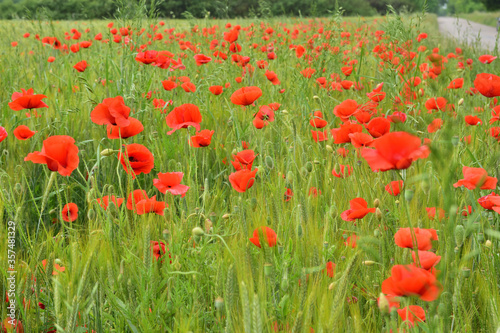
pixel 467 32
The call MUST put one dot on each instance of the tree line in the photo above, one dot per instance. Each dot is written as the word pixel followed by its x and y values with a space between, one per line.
pixel 106 9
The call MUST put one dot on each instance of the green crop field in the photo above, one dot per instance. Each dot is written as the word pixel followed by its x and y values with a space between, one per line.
pixel 248 175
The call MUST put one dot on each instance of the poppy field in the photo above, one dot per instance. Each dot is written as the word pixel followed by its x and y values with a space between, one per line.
pixel 278 175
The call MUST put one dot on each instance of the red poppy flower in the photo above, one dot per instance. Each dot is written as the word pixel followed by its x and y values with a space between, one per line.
pixel 135 127
pixel 495 114
pixel 436 103
pixel 112 111
pixel 377 95
pixel 343 171
pixel 263 117
pixel 70 212
pixel 317 120
pixel 150 205
pixel 431 212
pixel 489 201
pixel 60 154
pixel 319 136
pixel 168 85
pixel 57 268
pixel 486 59
pixel 473 120
pixel 404 238
pixel 456 84
pixel 476 177
pixel 246 95
pixel 308 72
pixel 378 126
pixel 330 269
pixel 171 182
pixel 271 76
pixel 487 84
pixel 3 134
pixel 394 187
pixel 188 87
pixel 184 116
pixel 216 90
pixel 435 125
pixel 159 249
pixel 136 159
pixel 426 259
pixel 134 197
pixel 81 66
pixel 243 179
pixel 351 241
pixel 244 159
pixel 268 233
pixel 412 281
pixel 147 57
pixel 395 150
pixel 104 201
pixel 288 195
pixel 201 139
pixel 346 109
pixel 341 134
pixel 359 209
pixel 360 140
pixel 26 100
pixel 23 132
pixel 413 314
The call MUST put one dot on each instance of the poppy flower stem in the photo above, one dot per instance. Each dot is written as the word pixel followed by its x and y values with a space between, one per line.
pixel 224 242
pixel 53 176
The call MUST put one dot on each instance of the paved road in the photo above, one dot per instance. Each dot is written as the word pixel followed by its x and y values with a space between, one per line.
pixel 467 32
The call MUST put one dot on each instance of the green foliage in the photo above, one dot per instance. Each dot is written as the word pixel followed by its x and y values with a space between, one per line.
pixel 90 9
pixel 464 6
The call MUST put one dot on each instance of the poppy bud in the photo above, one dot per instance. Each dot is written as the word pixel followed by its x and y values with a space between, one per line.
pixel 226 216
pixel 289 176
pixel 329 149
pixel 269 162
pixel 268 268
pixel 409 195
pixel 91 214
pixel 53 211
pixel 461 101
pixel 284 111
pixel 219 303
pixel 234 152
pixel 18 188
pixel 198 232
pixel 107 152
pixel 466 272
pixel 376 203
pixel 396 202
pixel 208 225
pixel 368 263
pixel 90 195
pixel 309 167
pixel 112 209
pixel 303 172
pixel 376 232
pixel 383 303
pixel 455 140
pixel 316 97
pixel 378 213
pixel 459 235
pixel 331 286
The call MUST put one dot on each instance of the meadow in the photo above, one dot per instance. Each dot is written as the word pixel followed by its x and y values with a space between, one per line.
pixel 266 175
